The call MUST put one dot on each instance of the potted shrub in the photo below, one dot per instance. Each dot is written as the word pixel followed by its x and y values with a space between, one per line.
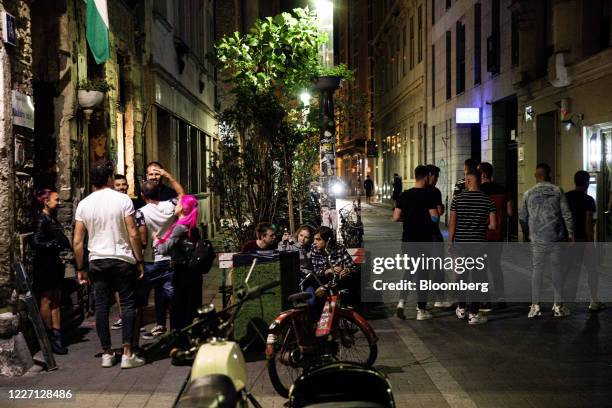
pixel 91 93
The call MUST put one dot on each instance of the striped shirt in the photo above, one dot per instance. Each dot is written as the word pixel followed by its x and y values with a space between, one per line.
pixel 472 209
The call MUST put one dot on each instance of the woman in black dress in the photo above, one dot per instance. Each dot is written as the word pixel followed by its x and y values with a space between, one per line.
pixel 48 241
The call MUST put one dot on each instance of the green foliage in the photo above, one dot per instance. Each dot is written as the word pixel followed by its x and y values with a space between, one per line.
pixel 340 70
pixel 97 84
pixel 269 151
pixel 279 52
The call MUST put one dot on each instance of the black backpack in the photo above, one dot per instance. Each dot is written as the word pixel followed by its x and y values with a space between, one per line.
pixel 202 257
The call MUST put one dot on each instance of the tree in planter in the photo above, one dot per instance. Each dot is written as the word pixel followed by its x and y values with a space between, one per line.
pixel 266 69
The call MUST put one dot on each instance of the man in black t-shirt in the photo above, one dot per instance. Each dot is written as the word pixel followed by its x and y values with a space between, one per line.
pixel 583 209
pixel 417 209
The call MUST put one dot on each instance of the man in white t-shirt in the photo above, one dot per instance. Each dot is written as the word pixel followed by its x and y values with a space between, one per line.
pixel 115 258
pixel 156 217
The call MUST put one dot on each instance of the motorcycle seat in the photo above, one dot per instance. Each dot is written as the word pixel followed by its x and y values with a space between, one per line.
pixel 300 297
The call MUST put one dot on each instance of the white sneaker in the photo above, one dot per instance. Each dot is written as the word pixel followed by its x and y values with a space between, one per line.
pixel 477 318
pixel 534 311
pixel 131 362
pixel 109 360
pixel 560 311
pixel 596 306
pixel 460 312
pixel 443 305
pixel 423 314
pixel 399 311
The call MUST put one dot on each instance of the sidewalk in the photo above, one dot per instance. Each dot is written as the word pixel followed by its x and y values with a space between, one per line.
pixel 154 385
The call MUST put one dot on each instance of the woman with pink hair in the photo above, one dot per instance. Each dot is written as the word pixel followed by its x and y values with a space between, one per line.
pixel 178 242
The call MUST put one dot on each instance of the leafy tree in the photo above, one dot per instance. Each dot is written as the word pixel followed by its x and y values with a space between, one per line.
pixel 265 69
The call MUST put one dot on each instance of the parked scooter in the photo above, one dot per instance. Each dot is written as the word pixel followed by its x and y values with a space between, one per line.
pixel 218 373
pixel 342 385
pixel 299 340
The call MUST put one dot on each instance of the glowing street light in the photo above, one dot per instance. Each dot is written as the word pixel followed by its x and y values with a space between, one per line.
pixel 305 98
pixel 325 20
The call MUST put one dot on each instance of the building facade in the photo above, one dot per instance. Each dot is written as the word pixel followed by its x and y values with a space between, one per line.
pixel 399 109
pixel 179 93
pixel 564 84
pixel 471 98
pixel 354 101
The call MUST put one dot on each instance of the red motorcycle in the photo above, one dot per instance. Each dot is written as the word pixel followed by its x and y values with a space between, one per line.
pixel 299 339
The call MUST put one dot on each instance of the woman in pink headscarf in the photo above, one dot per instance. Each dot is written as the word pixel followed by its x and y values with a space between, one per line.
pixel 178 242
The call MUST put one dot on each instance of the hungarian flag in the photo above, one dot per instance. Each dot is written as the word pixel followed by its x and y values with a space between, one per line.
pixel 96 24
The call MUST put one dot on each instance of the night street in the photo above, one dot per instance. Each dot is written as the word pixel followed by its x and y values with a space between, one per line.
pixel 510 362
pixel 160 156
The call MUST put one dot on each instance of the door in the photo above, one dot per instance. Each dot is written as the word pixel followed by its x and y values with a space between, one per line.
pixel 546 127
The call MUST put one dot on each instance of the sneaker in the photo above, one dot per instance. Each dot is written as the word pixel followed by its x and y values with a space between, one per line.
pixel 560 311
pixel 109 360
pixel 485 307
pixel 155 332
pixel 117 325
pixel 131 362
pixel 399 311
pixel 596 306
pixel 477 318
pixel 443 305
pixel 534 311
pixel 460 312
pixel 423 314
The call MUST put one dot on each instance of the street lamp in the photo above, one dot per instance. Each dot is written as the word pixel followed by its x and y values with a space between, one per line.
pixel 325 21
pixel 327 85
pixel 305 98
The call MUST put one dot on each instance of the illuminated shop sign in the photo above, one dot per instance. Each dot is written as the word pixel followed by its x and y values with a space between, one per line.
pixel 468 115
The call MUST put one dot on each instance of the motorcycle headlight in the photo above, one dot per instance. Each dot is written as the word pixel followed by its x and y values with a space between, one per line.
pixel 210 391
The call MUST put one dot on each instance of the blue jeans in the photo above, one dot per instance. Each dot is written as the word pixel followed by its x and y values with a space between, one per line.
pixel 157 276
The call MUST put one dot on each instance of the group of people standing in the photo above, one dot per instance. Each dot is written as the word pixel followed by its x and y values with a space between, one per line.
pixel 479 214
pixel 124 253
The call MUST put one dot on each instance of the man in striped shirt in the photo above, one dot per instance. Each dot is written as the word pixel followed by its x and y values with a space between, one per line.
pixel 472 212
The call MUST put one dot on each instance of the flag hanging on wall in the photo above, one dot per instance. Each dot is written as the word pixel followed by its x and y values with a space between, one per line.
pixel 96 24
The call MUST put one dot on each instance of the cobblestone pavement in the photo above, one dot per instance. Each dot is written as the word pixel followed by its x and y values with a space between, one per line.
pixel 443 362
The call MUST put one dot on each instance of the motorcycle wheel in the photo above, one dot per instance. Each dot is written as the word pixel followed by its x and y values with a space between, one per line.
pixel 354 344
pixel 283 375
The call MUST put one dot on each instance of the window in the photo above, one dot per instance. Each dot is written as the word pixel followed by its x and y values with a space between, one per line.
pixel 433 76
pixel 404 61
pixel 493 51
pixel 406 154
pixel 413 149
pixel 420 37
pixel 411 42
pixel 448 65
pixel 182 149
pixel 460 58
pixel 477 44
pixel 514 41
pixel 398 59
pixel 596 23
pixel 433 12
pixel 433 144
